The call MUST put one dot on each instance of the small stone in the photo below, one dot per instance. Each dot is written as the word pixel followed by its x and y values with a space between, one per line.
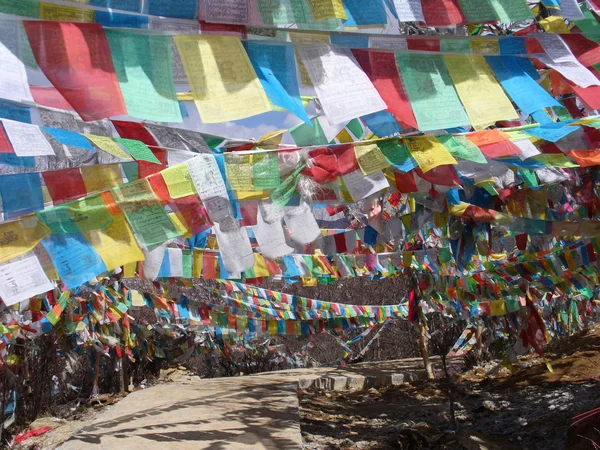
pixel 489 405
pixel 522 421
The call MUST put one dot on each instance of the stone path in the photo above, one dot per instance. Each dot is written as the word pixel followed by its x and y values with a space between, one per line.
pixel 253 412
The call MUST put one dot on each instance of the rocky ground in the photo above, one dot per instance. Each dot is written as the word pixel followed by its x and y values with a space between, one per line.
pixel 532 409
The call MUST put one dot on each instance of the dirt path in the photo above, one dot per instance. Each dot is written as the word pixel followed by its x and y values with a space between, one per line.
pixel 252 412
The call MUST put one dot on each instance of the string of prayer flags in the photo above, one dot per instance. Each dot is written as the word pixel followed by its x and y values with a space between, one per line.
pixel 223 81
pixel 76 59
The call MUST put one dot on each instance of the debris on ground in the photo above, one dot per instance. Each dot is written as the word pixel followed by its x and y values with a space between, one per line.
pixel 531 409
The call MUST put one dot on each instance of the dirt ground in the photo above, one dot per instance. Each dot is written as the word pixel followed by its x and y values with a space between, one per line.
pixel 532 409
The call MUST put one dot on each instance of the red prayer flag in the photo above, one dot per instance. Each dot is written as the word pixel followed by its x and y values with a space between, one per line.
pixel 441 13
pixel 49 96
pixel 405 182
pixel 5 145
pixel 442 175
pixel 586 51
pixel 64 185
pixel 346 158
pixel 424 44
pixel 381 69
pixel 504 148
pixel 75 57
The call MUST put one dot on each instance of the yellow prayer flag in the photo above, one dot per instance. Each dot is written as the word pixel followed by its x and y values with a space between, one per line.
pixel 309 281
pixel 517 135
pixel 109 146
pixel 485 46
pixel 21 236
pixel 482 96
pixel 198 257
pixel 252 195
pixel 239 171
pixel 344 137
pixel 185 97
pixel 180 224
pixel 327 9
pixel 271 140
pixel 115 244
pixel 129 269
pixel 223 82
pixel 137 299
pixel 50 11
pixel 554 24
pixel 101 178
pixel 428 152
pixel 260 266
pixel 370 158
pixel 178 181
pixel 320 265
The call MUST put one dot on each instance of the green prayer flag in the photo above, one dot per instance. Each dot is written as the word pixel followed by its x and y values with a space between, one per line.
pixel 431 92
pixel 355 127
pixel 27 8
pixel 477 11
pixel 512 10
pixel 138 150
pixel 305 135
pixel 148 219
pixel 529 178
pixel 283 193
pixel 90 213
pixel 265 171
pixel 143 66
pixel 461 147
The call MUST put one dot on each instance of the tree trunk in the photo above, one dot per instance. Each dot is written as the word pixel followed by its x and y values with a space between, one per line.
pixel 121 376
pixel 479 343
pixel 95 390
pixel 423 340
